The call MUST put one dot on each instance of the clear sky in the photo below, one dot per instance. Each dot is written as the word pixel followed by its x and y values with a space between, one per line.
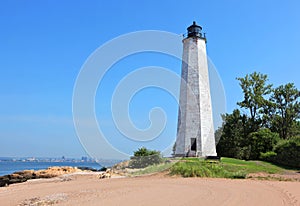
pixel 43 45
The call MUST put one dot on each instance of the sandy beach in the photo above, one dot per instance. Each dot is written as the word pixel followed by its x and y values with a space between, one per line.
pixel 87 189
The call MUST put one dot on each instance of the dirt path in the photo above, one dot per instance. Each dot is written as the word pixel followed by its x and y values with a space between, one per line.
pixel 150 190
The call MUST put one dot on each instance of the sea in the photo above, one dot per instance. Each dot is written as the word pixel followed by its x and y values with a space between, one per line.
pixel 9 167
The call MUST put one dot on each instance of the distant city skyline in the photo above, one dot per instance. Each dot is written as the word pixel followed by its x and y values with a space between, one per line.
pixel 44 45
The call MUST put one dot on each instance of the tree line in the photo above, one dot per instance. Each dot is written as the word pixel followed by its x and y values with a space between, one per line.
pixel 265 125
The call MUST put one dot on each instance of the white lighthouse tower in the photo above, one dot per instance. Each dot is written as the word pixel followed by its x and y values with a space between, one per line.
pixel 195 130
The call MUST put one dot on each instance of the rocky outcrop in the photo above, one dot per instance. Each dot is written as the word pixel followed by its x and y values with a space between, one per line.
pixel 23 176
pixel 121 168
pixel 56 171
pixel 17 177
pixel 105 174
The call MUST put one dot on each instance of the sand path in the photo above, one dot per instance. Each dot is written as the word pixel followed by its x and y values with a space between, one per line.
pixel 151 190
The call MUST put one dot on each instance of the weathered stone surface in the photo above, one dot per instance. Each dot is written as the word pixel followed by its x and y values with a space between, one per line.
pixel 195 113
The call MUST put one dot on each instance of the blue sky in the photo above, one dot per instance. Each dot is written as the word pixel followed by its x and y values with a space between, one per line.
pixel 43 45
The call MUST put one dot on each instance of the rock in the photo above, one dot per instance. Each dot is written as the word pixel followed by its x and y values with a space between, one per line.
pixel 17 180
pixel 56 171
pixel 4 181
pixel 121 165
pixel 106 174
pixel 27 174
pixel 11 179
pixel 23 176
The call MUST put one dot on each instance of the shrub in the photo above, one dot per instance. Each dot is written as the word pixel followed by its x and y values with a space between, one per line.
pixel 262 141
pixel 288 152
pixel 243 152
pixel 144 157
pixel 268 156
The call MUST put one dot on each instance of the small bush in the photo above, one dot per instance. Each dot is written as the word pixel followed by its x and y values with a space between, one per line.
pixel 288 152
pixel 243 152
pixel 144 157
pixel 237 175
pixel 262 141
pixel 268 156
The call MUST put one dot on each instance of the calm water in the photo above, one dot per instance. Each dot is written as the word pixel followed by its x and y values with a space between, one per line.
pixel 10 167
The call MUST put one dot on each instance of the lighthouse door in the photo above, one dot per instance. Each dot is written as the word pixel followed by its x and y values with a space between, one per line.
pixel 193 144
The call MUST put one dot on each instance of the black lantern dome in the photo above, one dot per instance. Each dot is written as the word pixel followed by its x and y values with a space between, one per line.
pixel 195 31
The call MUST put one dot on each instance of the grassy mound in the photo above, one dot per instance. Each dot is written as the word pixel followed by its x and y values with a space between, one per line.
pixel 227 168
pixel 152 169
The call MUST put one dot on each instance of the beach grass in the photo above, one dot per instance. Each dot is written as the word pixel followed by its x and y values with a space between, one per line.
pixel 199 167
pixel 231 164
pixel 226 168
pixel 152 169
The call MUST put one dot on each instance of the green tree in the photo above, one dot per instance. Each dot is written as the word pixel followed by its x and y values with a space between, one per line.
pixel 273 114
pixel 234 136
pixel 295 129
pixel 286 110
pixel 255 90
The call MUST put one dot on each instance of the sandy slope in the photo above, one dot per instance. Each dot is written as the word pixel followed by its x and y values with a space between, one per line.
pixel 151 190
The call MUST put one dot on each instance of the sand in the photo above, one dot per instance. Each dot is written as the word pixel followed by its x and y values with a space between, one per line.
pixel 87 189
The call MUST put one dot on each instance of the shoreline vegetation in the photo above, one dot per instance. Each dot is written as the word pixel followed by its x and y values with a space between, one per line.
pixel 225 168
pixel 172 167
pixel 233 169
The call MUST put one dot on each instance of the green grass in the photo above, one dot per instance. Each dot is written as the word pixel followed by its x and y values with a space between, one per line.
pixel 153 169
pixel 195 167
pixel 226 168
pixel 231 164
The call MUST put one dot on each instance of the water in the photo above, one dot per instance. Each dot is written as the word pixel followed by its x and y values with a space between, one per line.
pixel 8 167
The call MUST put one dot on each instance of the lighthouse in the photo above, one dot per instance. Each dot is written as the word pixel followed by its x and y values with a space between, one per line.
pixel 195 129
